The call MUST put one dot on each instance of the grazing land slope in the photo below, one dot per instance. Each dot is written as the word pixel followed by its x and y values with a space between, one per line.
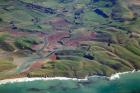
pixel 71 38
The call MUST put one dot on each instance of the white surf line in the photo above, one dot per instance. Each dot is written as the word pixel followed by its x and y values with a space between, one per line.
pixel 26 79
pixel 117 75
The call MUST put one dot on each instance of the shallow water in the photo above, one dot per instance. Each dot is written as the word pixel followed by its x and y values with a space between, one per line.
pixel 128 83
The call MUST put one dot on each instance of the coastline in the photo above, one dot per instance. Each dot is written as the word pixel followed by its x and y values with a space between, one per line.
pixel 26 79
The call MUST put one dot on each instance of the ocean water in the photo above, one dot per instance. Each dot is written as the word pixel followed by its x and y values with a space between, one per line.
pixel 127 83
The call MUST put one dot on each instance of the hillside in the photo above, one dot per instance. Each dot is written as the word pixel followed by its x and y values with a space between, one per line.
pixel 71 38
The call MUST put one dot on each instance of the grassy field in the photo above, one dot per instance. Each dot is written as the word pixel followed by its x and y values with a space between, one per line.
pixel 114 46
pixel 6 64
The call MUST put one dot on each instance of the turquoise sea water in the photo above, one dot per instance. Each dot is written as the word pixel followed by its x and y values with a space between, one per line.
pixel 128 83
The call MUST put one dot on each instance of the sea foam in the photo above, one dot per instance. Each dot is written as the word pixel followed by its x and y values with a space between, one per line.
pixel 26 79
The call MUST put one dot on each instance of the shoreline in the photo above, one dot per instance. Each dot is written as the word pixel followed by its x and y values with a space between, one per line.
pixel 26 79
